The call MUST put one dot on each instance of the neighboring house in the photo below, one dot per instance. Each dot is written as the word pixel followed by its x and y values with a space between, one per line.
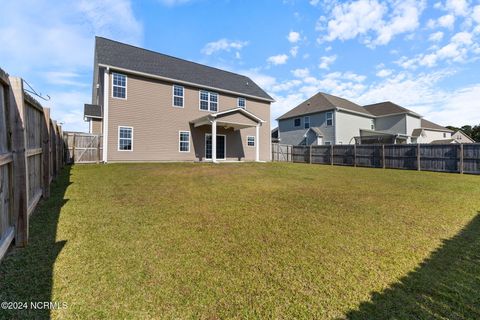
pixel 327 119
pixel 275 135
pixel 461 137
pixel 154 107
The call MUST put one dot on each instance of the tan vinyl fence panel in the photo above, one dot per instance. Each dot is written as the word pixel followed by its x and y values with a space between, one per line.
pixel 28 139
pixel 460 158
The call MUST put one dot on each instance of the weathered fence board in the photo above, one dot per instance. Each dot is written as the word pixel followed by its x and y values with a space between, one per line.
pixel 280 152
pixel 25 147
pixel 461 158
pixel 301 154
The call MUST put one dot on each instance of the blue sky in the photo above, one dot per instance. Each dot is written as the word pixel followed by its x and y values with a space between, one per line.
pixel 423 55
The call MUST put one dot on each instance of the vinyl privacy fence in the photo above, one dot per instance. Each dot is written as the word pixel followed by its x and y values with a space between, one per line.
pixel 31 155
pixel 460 158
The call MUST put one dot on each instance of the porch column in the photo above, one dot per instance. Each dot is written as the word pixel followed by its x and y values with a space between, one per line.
pixel 257 142
pixel 214 140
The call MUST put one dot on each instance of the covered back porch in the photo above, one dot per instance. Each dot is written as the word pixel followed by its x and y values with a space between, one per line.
pixel 237 133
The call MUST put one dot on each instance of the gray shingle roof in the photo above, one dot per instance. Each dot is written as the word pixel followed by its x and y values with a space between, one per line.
pixel 445 141
pixel 425 124
pixel 417 132
pixel 386 108
pixel 317 131
pixel 323 102
pixel 129 57
pixel 92 110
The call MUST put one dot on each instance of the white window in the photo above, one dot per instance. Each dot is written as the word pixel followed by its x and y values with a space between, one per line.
pixel 178 96
pixel 241 103
pixel 125 138
pixel 372 125
pixel 297 122
pixel 251 141
pixel 328 143
pixel 119 86
pixel 306 122
pixel 444 135
pixel 329 118
pixel 208 101
pixel 184 141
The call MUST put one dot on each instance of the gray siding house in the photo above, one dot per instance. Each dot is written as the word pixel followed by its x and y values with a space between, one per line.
pixel 153 107
pixel 327 119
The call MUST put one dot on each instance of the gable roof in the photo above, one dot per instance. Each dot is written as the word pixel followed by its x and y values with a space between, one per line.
pixel 425 124
pixel 117 54
pixel 323 102
pixel 92 110
pixel 463 134
pixel 387 108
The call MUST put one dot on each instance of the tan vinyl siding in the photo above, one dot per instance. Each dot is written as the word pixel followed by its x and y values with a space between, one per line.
pixel 156 124
pixel 96 126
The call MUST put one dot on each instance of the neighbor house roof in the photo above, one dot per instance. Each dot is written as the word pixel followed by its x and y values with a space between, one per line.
pixel 92 110
pixel 117 54
pixel 323 102
pixel 387 108
pixel 417 132
pixel 444 141
pixel 425 124
pixel 317 131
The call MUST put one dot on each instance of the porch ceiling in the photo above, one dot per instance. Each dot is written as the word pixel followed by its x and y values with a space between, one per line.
pixel 245 119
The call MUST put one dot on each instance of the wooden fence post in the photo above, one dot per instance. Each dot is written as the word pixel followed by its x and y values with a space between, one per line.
pixel 355 155
pixel 73 148
pixel 461 158
pixel 99 153
pixel 46 152
pixel 418 157
pixel 331 154
pixel 16 115
pixel 53 143
pixel 310 155
pixel 383 156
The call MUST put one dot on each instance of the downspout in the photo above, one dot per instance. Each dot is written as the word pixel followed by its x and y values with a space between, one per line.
pixel 106 84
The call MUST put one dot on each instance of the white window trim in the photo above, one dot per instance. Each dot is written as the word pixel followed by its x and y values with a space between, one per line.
pixel 326 119
pixel 179 140
pixel 299 124
pixel 126 85
pixel 118 139
pixel 209 100
pixel 173 96
pixel 305 122
pixel 254 142
pixel 238 103
pixel 224 146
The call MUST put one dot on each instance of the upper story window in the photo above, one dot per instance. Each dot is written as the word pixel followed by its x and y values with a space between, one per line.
pixel 125 138
pixel 178 93
pixel 297 122
pixel 119 86
pixel 241 103
pixel 306 122
pixel 329 118
pixel 208 101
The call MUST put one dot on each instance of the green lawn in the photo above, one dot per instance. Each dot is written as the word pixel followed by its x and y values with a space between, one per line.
pixel 262 241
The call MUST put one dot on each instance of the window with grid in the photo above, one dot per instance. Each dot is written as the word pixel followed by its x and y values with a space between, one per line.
pixel 125 138
pixel 208 101
pixel 306 122
pixel 241 103
pixel 119 86
pixel 251 141
pixel 178 96
pixel 184 141
pixel 329 118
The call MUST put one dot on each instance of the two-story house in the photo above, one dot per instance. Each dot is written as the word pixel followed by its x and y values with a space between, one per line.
pixel 153 107
pixel 327 119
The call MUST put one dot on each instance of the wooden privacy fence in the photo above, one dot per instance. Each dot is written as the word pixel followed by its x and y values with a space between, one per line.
pixel 83 147
pixel 281 152
pixel 31 155
pixel 461 158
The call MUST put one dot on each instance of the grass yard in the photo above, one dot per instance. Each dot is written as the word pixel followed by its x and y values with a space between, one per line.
pixel 188 241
